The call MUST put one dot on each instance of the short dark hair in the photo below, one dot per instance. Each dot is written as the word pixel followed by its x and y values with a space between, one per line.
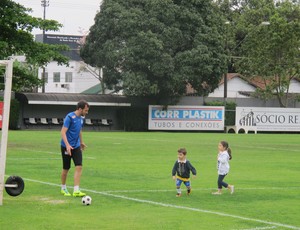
pixel 182 150
pixel 81 104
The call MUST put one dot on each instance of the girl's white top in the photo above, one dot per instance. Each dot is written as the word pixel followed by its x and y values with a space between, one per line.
pixel 223 163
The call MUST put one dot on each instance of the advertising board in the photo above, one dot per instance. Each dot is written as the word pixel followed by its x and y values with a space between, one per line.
pixel 186 118
pixel 269 119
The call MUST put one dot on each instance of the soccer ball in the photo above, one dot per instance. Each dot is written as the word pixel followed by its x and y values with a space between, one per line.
pixel 86 200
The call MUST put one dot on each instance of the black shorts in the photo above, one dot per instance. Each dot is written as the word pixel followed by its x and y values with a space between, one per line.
pixel 76 156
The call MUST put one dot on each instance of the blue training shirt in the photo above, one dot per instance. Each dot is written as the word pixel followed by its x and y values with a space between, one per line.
pixel 74 125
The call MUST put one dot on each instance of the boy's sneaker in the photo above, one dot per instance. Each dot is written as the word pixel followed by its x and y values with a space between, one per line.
pixel 65 192
pixel 178 195
pixel 188 192
pixel 79 194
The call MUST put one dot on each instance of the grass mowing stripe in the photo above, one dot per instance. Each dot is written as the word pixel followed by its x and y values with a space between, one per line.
pixel 203 144
pixel 38 151
pixel 32 158
pixel 54 153
pixel 42 158
pixel 169 141
pixel 175 206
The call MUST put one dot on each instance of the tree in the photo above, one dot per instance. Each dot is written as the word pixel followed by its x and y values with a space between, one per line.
pixel 95 71
pixel 271 52
pixel 157 47
pixel 16 26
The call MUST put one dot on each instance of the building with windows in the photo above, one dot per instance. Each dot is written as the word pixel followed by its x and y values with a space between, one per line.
pixel 74 78
pixel 68 79
pixel 243 87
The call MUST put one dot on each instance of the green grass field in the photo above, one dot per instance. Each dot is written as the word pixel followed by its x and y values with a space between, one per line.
pixel 128 176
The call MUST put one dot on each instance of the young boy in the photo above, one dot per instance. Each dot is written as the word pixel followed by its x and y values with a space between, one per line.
pixel 182 168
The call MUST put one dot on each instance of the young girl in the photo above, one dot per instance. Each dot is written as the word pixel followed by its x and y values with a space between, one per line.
pixel 182 168
pixel 223 167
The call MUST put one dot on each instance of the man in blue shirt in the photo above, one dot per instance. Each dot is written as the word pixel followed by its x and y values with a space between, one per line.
pixel 72 146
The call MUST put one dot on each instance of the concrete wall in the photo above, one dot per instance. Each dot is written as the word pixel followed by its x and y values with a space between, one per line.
pixel 116 113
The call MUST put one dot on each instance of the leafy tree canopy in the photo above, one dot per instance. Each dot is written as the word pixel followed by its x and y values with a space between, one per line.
pixel 263 41
pixel 157 47
pixel 16 26
pixel 270 50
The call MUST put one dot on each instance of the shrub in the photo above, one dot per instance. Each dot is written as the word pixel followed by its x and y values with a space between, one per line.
pixel 229 110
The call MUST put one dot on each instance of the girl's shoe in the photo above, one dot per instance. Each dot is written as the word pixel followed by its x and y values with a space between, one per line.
pixel 217 193
pixel 178 195
pixel 231 188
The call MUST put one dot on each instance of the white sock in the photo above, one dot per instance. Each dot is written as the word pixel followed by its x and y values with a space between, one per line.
pixel 179 190
pixel 76 188
pixel 63 186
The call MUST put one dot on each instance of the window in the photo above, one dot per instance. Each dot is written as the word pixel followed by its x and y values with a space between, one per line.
pixel 56 77
pixel 68 77
pixel 45 77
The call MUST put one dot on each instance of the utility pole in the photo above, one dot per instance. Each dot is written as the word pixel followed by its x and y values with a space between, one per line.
pixel 45 3
pixel 228 53
pixel 227 23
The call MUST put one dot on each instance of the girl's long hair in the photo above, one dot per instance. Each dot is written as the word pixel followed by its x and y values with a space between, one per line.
pixel 226 146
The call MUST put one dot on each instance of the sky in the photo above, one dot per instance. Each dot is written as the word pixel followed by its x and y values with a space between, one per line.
pixel 77 16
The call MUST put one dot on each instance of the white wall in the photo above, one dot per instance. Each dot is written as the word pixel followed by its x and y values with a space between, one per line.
pixel 81 79
pixel 234 85
pixel 294 86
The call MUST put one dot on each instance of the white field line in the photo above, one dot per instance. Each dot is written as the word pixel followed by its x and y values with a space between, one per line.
pixel 176 206
pixel 199 189
pixel 259 228
pixel 187 142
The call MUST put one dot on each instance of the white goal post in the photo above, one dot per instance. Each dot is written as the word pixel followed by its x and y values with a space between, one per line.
pixel 8 64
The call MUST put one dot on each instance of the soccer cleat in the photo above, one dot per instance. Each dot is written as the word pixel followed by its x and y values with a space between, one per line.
pixel 79 194
pixel 189 191
pixel 178 195
pixel 65 192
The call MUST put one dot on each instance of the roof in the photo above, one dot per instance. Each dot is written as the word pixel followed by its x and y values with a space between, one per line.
pixel 229 77
pixel 257 82
pixel 73 98
pixel 93 90
pixel 254 81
